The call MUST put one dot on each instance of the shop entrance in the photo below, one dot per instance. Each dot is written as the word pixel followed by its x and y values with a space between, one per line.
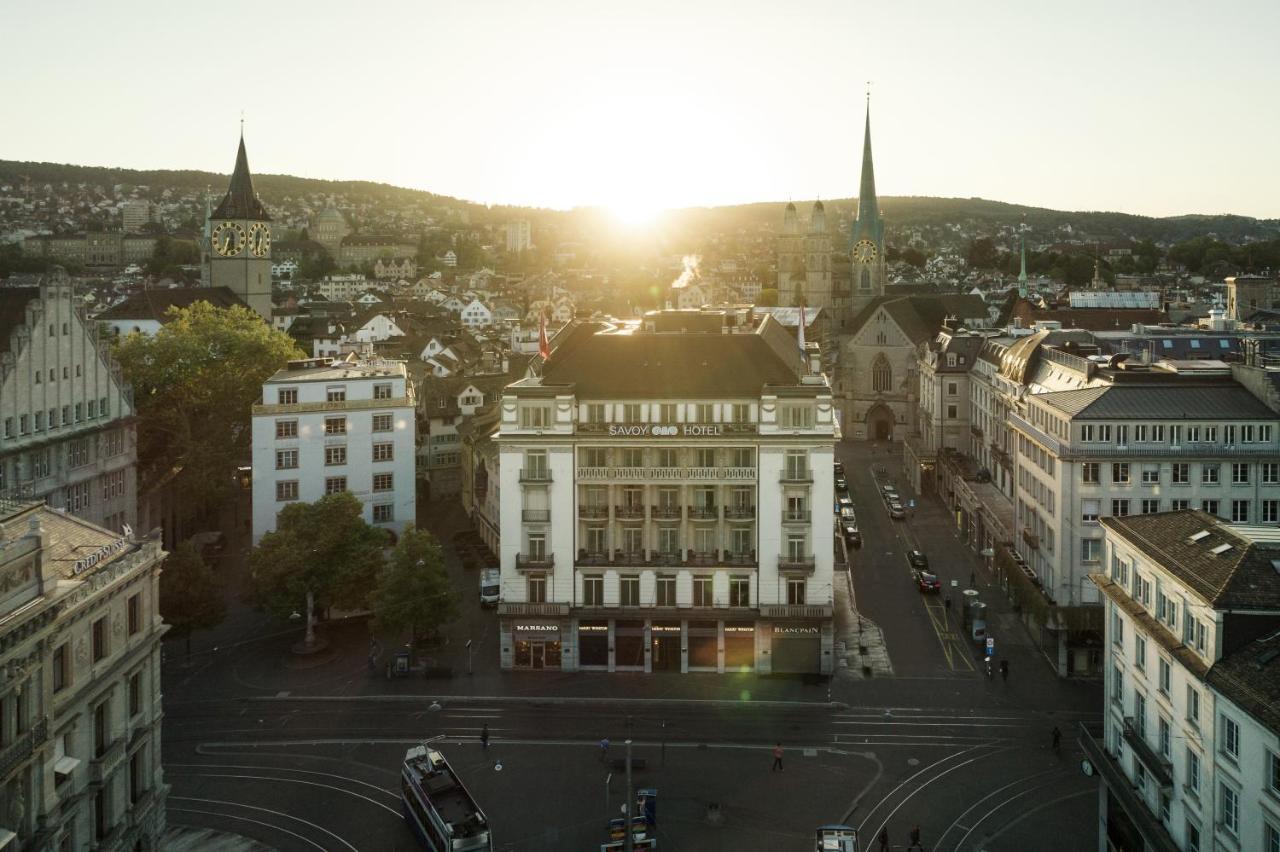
pixel 666 647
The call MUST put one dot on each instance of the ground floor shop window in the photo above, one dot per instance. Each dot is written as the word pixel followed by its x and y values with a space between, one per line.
pixel 666 646
pixel 628 644
pixel 703 644
pixel 739 647
pixel 593 643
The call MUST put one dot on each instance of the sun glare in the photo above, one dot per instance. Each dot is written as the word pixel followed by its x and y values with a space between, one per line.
pixel 635 213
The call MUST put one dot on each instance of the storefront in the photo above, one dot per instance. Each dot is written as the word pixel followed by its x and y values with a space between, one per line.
pixel 704 645
pixel 593 644
pixel 797 648
pixel 739 647
pixel 666 646
pixel 628 645
pixel 537 645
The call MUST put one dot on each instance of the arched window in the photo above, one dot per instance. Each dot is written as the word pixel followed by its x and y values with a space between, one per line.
pixel 881 375
pixel 866 279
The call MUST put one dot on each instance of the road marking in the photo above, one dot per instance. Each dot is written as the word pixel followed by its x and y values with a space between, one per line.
pixel 170 809
pixel 1020 817
pixel 997 791
pixel 320 828
pixel 910 795
pixel 1004 802
pixel 290 781
pixel 937 724
pixel 908 780
pixel 375 787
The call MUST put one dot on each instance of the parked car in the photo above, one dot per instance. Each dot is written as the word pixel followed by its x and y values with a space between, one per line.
pixel 839 468
pixel 844 500
pixel 889 492
pixel 847 513
pixel 851 534
pixel 841 484
pixel 917 560
pixel 928 583
pixel 896 511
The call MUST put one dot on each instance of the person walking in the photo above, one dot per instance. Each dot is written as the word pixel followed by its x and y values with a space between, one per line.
pixel 484 736
pixel 604 750
pixel 1057 739
pixel 777 758
pixel 884 839
pixel 915 838
pixel 1004 670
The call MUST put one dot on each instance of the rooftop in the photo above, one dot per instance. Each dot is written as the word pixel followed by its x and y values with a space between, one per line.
pixel 1191 401
pixel 330 369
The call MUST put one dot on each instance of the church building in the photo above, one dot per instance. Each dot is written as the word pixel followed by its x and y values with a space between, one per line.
pixel 238 245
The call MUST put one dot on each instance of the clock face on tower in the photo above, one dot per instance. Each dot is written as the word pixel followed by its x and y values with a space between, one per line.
pixel 864 251
pixel 259 240
pixel 228 239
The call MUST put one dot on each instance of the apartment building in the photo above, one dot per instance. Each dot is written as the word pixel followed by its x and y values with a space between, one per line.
pixel 1188 753
pixel 666 487
pixel 80 713
pixel 66 415
pixel 327 425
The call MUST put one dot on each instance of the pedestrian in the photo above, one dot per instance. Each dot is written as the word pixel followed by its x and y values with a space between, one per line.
pixel 884 839
pixel 1057 739
pixel 973 579
pixel 948 602
pixel 915 838
pixel 484 736
pixel 777 758
pixel 1004 670
pixel 604 749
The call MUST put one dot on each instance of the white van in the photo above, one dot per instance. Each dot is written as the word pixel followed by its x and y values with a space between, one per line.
pixel 490 586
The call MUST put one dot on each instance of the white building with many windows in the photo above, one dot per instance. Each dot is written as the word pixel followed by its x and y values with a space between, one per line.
pixel 327 425
pixel 666 491
pixel 1188 754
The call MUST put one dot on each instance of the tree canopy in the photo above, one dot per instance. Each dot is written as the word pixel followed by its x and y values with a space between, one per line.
pixel 194 383
pixel 413 590
pixel 325 549
pixel 190 595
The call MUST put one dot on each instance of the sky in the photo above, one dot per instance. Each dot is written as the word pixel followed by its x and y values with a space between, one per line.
pixel 1156 107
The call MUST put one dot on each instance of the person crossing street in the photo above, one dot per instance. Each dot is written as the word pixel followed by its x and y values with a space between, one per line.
pixel 777 758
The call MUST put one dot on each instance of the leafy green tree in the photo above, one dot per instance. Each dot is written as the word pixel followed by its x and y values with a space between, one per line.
pixel 982 253
pixel 190 595
pixel 1146 257
pixel 194 383
pixel 170 255
pixel 914 256
pixel 315 265
pixel 321 554
pixel 768 298
pixel 413 590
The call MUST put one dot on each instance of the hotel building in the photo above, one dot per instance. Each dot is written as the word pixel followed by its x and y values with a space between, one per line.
pixel 327 425
pixel 666 489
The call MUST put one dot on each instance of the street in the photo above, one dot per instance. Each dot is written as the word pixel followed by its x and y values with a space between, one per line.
pixel 305 753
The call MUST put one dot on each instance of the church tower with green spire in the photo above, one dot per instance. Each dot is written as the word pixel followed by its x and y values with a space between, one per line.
pixel 866 244
pixel 240 241
pixel 1022 271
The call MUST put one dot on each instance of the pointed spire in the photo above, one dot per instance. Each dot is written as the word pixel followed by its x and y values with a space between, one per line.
pixel 1022 272
pixel 241 202
pixel 868 225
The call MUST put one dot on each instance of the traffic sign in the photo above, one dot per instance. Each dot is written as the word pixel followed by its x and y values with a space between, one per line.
pixel 991 646
pixel 911 504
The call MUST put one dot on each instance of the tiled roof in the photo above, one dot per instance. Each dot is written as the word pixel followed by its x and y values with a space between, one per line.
pixel 1250 677
pixel 152 304
pixel 1160 402
pixel 1243 576
pixel 921 316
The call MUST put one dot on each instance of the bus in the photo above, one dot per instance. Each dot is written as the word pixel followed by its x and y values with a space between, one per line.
pixel 438 807
pixel 836 838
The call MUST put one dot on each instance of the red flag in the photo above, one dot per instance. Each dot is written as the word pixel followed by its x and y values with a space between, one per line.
pixel 544 348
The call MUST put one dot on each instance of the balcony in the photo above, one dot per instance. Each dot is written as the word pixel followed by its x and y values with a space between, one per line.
pixel 795 611
pixel 709 557
pixel 796 516
pixel 797 564
pixel 1157 765
pixel 739 513
pixel 593 513
pixel 629 512
pixel 101 767
pixel 1032 540
pixel 535 516
pixel 23 746
pixel 666 513
pixel 796 476
pixel 535 474
pixel 545 562
pixel 704 513
pixel 740 558
pixel 666 474
pixel 1121 788
pixel 535 610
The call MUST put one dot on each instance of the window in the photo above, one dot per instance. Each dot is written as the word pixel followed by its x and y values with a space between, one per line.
pixel 703 413
pixel 1140 651
pixel 287 396
pixel 383 482
pixel 1119 508
pixel 79 411
pixel 594 457
pixel 1270 511
pixel 335 455
pixel 61 668
pixel 666 590
pixel 952 412
pixel 337 394
pixel 1270 473
pixel 631 413
pixel 1193 837
pixel 1239 473
pixel 383 452
pixel 1150 507
pixel 743 457
pixel 1150 474
pixel 133 609
pixel 286 459
pixel 135 694
pixel 1164 676
pixel 881 374
pixel 287 490
pixel 797 417
pixel 382 391
pixel 1140 714
pixel 1090 549
pixel 335 484
pixel 1117 684
pixel 741 413
pixel 629 589
pixel 666 458
pixel 1270 837
pixel 1229 808
pixel 1273 773
pixel 704 457
pixel 1089 473
pixel 632 458
pixel 78 453
pixel 595 412
pixel 535 417
pixel 593 590
pixel 1230 738
pixel 335 425
pixel 739 591
pixel 1193 706
pixel 1193 771
pixel 667 412
pixel 100 649
pixel 1239 511
pixel 101 730
pixel 1117 627
pixel 1210 474
pixel 1120 473
pixel 286 428
pixel 1180 504
pixel 382 422
pixel 1209 506
pixel 795 592
pixel 535 465
pixel 536 588
pixel 383 513
pixel 702 591
pixel 1180 473
pixel 797 465
pixel 1087 432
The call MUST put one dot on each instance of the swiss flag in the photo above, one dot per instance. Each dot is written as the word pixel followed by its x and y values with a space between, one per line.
pixel 544 348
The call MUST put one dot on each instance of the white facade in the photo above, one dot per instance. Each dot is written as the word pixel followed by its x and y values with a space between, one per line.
pixel 1187 766
pixel 476 315
pixel 519 236
pixel 341 287
pixel 335 425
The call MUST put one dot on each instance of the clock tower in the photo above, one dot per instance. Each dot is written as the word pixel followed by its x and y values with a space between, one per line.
pixel 240 241
pixel 866 250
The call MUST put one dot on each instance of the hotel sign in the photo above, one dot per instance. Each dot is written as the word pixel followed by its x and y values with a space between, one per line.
pixel 686 430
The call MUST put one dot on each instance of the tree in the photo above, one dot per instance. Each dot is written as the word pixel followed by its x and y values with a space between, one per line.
pixel 194 383
pixel 190 595
pixel 170 255
pixel 768 298
pixel 914 256
pixel 982 253
pixel 321 554
pixel 413 589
